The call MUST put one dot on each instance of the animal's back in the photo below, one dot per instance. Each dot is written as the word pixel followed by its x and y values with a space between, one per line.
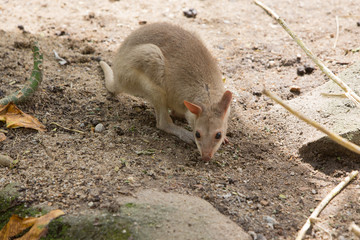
pixel 189 66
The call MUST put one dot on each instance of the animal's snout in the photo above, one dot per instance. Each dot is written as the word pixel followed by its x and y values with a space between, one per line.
pixel 206 157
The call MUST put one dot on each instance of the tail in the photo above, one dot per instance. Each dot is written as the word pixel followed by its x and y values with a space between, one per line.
pixel 109 76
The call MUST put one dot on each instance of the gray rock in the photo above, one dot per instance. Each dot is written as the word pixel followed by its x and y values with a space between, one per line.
pixel 174 216
pixel 270 221
pixel 148 215
pixel 256 236
pixel 335 113
pixel 99 128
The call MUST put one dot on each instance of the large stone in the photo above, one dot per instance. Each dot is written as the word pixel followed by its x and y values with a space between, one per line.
pixel 162 215
pixel 337 114
pixel 151 215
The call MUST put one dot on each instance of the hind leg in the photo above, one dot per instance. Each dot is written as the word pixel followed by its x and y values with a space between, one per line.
pixel 157 97
pixel 177 115
pixel 140 71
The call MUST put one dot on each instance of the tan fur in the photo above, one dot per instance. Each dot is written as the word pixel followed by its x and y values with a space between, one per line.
pixel 168 65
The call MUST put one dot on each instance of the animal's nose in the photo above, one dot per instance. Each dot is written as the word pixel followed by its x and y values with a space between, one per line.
pixel 206 157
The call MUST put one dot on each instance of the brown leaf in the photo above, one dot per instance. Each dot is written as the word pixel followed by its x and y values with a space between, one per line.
pixel 15 118
pixel 40 227
pixel 2 137
pixel 17 225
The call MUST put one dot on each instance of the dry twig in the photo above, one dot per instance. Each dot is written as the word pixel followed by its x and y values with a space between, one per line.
pixel 355 229
pixel 68 129
pixel 325 202
pixel 339 95
pixel 333 136
pixel 348 91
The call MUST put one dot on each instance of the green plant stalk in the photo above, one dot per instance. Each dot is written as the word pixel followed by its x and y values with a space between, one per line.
pixel 32 84
pixel 348 91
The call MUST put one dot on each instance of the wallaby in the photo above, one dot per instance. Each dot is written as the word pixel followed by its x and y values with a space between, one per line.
pixel 173 70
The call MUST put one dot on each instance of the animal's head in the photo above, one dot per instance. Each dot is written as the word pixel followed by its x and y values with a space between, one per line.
pixel 210 125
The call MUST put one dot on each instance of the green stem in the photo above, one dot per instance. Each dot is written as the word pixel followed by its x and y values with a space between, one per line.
pixel 33 82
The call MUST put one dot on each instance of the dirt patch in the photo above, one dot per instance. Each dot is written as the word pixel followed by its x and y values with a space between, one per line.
pixel 259 174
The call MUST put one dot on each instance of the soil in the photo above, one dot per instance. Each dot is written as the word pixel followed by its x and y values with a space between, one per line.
pixel 258 175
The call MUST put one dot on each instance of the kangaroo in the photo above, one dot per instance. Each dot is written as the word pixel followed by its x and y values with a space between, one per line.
pixel 172 69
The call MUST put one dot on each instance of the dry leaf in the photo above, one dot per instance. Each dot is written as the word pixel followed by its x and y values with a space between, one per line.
pixel 40 227
pixel 15 118
pixel 17 225
pixel 2 137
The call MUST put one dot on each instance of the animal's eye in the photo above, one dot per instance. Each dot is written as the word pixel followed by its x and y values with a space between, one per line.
pixel 218 135
pixel 197 134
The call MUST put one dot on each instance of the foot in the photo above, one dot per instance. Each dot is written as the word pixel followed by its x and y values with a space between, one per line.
pixel 180 132
pixel 226 140
pixel 186 136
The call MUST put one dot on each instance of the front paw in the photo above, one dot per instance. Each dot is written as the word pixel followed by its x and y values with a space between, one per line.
pixel 188 137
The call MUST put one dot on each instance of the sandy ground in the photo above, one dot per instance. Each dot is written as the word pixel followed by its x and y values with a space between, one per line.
pixel 260 174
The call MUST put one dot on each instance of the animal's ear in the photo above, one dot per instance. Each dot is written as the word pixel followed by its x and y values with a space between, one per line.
pixel 195 109
pixel 225 102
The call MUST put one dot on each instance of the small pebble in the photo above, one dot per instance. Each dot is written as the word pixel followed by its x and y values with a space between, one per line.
pixel 313 191
pixel 309 69
pixel 260 237
pixel 226 195
pixel 295 89
pixel 142 22
pixel 256 236
pixel 271 64
pixel 119 131
pixel 257 93
pixel 264 202
pixel 22 44
pixel 191 13
pixel 98 58
pixel 300 71
pixel 138 109
pixel 60 33
pixel 88 50
pixel 270 221
pixel 358 23
pixel 91 15
pixel 289 62
pixel 99 128
pixel 298 57
pixel 90 204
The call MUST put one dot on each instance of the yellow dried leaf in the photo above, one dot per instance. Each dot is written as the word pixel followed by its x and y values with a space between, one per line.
pixel 40 227
pixel 15 118
pixel 17 225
